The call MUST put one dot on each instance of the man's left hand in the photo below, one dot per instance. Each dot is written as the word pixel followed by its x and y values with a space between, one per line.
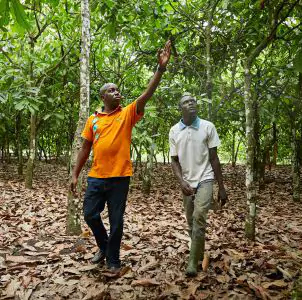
pixel 222 196
pixel 163 55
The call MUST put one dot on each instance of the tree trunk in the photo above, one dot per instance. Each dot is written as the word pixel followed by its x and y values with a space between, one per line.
pixel 33 129
pixel 19 143
pixel 233 148
pixel 275 149
pixel 250 153
pixel 209 84
pixel 32 152
pixel 294 143
pixel 249 113
pixel 164 156
pixel 73 225
pixel 147 175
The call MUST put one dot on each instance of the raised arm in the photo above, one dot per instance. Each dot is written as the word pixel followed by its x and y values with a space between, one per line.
pixel 163 57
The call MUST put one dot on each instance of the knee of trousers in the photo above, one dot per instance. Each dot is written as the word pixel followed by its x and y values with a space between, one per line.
pixel 117 227
pixel 200 218
pixel 90 219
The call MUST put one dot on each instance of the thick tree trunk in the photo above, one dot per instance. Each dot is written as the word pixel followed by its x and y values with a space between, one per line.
pixel 250 153
pixel 73 225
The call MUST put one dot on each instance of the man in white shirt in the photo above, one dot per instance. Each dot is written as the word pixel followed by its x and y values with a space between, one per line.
pixel 193 149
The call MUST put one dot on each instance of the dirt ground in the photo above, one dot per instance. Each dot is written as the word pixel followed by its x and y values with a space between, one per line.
pixel 38 261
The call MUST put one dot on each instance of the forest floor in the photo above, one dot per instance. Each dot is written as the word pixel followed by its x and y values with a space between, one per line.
pixel 38 261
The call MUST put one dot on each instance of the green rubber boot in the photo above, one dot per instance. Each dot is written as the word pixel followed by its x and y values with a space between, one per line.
pixel 196 250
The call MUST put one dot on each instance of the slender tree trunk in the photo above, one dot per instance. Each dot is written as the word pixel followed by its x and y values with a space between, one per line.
pixel 138 159
pixel 7 149
pixel 233 148
pixel 32 152
pixel 295 147
pixel 33 127
pixel 256 132
pixel 209 84
pixel 147 175
pixel 249 112
pixel 237 150
pixel 275 148
pixel 164 156
pixel 73 225
pixel 250 153
pixel 19 143
pixel 295 167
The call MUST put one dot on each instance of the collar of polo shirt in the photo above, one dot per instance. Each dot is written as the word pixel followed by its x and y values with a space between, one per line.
pixel 195 124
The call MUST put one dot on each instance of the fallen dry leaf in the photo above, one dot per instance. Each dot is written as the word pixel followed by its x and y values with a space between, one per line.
pixel 11 289
pixel 155 245
pixel 144 282
pixel 276 283
pixel 205 262
pixel 24 259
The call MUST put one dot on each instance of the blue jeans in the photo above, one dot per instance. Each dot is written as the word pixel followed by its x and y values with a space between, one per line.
pixel 113 191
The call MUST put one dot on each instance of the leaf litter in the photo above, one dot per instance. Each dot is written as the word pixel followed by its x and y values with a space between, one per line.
pixel 39 261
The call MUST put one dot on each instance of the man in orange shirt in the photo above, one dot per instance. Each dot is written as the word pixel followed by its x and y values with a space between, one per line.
pixel 108 132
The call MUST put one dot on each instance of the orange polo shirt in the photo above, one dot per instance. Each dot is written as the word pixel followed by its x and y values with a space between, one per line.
pixel 111 137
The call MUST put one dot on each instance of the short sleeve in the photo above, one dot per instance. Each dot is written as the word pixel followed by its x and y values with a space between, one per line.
pixel 87 133
pixel 213 138
pixel 172 144
pixel 135 117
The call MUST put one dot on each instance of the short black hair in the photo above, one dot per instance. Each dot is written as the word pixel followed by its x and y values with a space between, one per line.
pixel 105 87
pixel 186 94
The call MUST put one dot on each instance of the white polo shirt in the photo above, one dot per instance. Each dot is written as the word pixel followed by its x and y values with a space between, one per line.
pixel 191 144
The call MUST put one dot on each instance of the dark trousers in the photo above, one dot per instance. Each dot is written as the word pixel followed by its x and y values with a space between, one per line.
pixel 112 191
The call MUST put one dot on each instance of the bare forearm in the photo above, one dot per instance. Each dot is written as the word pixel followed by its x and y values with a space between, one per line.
pixel 147 94
pixel 217 171
pixel 153 84
pixel 177 170
pixel 82 158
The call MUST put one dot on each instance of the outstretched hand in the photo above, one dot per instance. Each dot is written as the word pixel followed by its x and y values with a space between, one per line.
pixel 163 55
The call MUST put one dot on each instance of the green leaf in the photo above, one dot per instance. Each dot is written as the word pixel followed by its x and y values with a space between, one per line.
pixel 298 61
pixel 19 14
pixel 3 28
pixel 34 106
pixel 46 117
pixel 20 105
pixel 110 3
pixel 4 13
pixel 59 116
pixel 225 4
pixel 53 2
pixel 32 111
pixel 93 5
